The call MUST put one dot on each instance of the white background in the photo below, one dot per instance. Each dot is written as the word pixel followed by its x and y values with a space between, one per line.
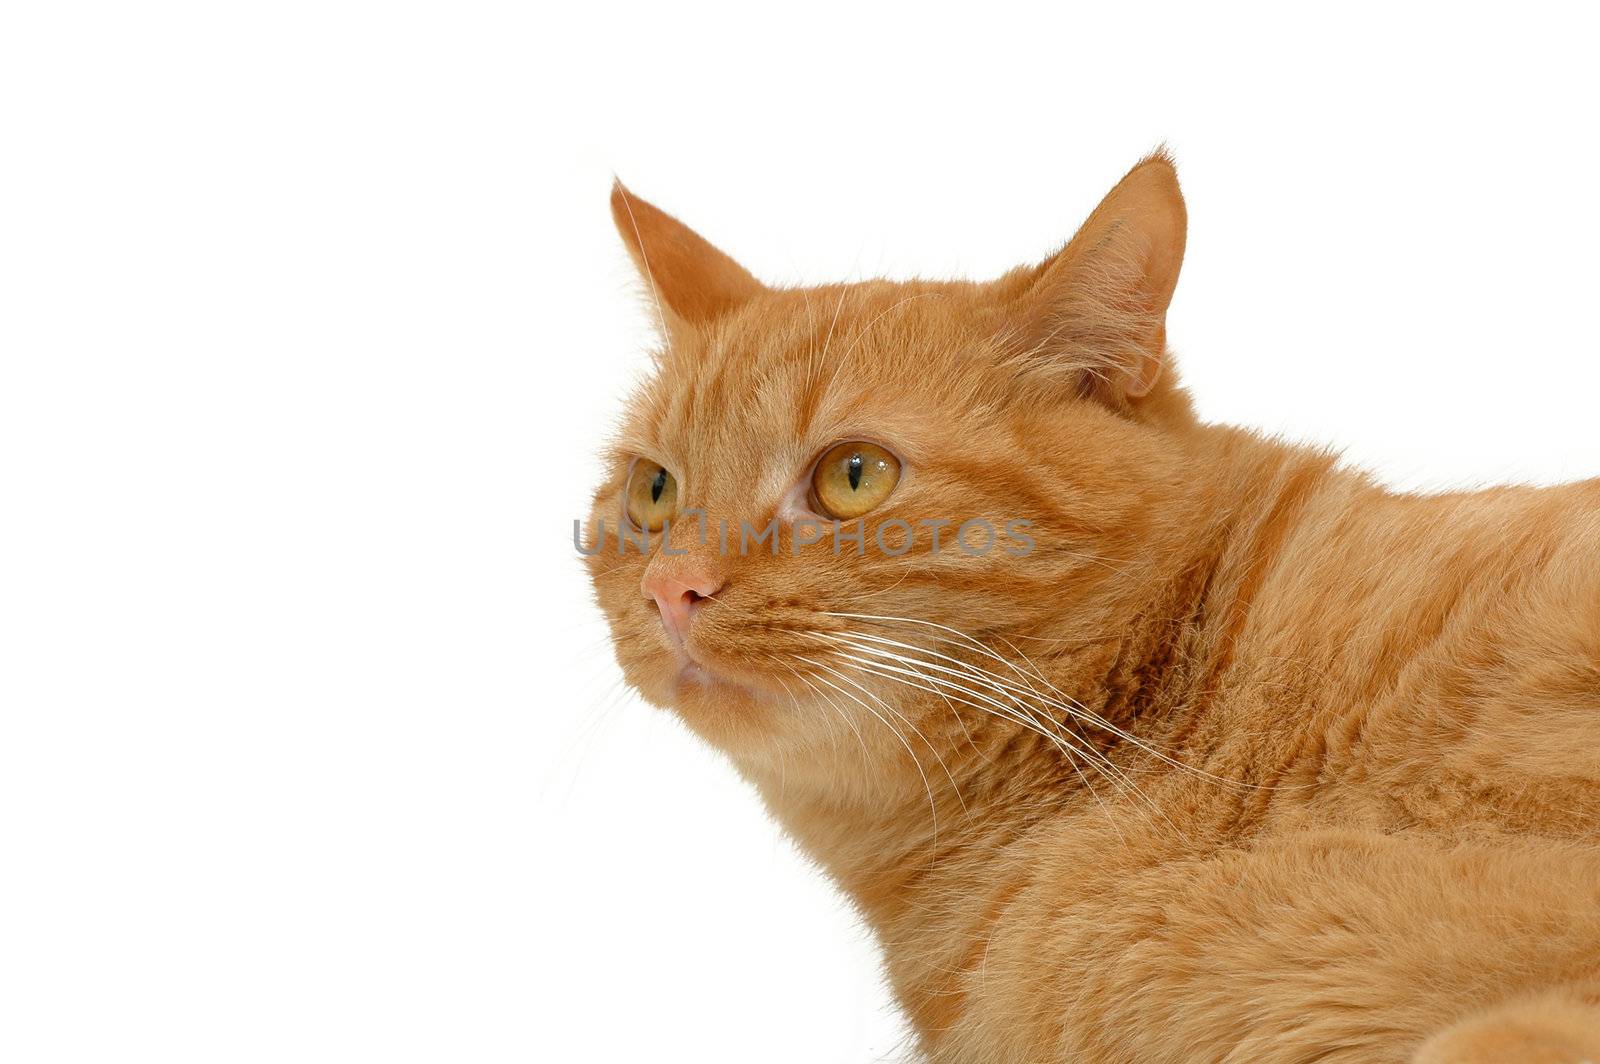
pixel 312 321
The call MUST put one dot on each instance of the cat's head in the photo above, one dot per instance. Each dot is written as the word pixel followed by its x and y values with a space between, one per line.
pixel 843 486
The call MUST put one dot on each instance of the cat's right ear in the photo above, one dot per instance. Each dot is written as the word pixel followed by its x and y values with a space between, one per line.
pixel 692 283
pixel 1096 311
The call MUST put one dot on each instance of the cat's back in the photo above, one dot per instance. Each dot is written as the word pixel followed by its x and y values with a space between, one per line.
pixel 1440 658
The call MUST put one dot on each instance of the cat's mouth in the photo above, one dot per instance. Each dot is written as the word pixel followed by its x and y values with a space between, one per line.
pixel 708 660
pixel 695 673
pixel 692 672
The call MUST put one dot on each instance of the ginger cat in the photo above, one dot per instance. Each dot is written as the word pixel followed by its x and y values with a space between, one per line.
pixel 1219 752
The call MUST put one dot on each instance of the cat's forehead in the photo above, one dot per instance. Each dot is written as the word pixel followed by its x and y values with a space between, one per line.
pixel 811 362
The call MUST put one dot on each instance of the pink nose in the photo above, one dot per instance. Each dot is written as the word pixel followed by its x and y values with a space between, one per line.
pixel 678 596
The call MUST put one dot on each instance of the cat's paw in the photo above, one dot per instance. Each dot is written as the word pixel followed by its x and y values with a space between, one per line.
pixel 1549 1030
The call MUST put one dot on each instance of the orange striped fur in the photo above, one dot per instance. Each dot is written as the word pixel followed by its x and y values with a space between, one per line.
pixel 1249 759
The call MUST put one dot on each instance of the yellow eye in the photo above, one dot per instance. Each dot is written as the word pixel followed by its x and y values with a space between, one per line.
pixel 652 495
pixel 853 478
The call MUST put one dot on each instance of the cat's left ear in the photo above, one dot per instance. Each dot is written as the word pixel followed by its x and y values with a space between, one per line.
pixel 692 282
pixel 1096 311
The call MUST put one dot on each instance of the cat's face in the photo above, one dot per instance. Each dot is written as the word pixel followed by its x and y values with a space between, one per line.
pixel 836 480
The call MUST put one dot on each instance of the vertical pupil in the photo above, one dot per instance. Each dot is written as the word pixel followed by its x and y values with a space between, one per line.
pixel 854 465
pixel 658 485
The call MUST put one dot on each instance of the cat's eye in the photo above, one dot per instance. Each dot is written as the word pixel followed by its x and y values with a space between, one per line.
pixel 853 478
pixel 652 495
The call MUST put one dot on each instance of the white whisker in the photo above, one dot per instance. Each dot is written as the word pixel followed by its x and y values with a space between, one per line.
pixel 933 806
pixel 1061 700
pixel 914 729
pixel 1064 743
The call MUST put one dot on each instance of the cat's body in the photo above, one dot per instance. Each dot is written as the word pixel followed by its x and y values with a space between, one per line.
pixel 1250 760
pixel 1409 686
